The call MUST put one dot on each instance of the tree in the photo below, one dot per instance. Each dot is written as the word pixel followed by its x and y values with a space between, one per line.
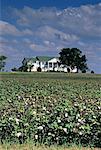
pixel 2 62
pixel 14 69
pixel 24 67
pixel 73 57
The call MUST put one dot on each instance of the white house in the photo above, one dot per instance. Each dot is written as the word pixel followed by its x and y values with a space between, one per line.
pixel 44 63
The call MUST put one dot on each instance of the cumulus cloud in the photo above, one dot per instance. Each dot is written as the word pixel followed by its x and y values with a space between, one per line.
pixel 26 40
pixel 50 33
pixel 28 16
pixel 33 46
pixel 83 21
pixel 42 48
pixel 27 32
pixel 8 29
pixel 48 43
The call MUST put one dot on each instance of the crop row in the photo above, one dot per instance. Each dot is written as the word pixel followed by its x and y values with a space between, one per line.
pixel 50 111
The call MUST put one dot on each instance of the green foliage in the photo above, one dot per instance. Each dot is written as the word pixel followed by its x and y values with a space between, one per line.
pixel 2 62
pixel 92 71
pixel 73 57
pixel 53 110
pixel 14 69
pixel 39 69
pixel 24 67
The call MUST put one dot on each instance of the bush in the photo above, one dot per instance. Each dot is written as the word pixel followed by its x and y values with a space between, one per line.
pixel 92 71
pixel 83 71
pixel 39 69
pixel 14 69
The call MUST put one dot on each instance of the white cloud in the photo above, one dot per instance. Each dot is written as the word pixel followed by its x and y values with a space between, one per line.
pixel 28 15
pixel 8 29
pixel 33 46
pixel 84 21
pixel 38 47
pixel 27 32
pixel 51 33
pixel 27 40
pixel 46 47
pixel 48 43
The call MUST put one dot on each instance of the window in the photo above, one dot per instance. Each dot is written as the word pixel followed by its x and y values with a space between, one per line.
pixel 55 64
pixel 50 65
pixel 43 63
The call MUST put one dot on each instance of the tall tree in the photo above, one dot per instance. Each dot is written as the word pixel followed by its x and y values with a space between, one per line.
pixel 2 62
pixel 73 57
pixel 24 66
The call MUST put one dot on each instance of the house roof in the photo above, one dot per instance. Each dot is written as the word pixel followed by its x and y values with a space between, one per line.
pixel 44 58
pixel 40 58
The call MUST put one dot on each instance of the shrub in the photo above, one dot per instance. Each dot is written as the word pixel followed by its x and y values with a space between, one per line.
pixel 83 71
pixel 92 71
pixel 39 69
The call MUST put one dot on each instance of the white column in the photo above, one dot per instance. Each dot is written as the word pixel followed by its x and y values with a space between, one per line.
pixel 57 66
pixel 48 66
pixel 52 65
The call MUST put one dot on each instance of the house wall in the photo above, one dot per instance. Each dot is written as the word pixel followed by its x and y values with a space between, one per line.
pixel 34 69
pixel 74 70
pixel 35 66
pixel 52 65
pixel 54 60
pixel 38 64
pixel 42 64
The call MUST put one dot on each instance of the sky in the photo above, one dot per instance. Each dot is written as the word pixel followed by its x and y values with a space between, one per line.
pixel 30 28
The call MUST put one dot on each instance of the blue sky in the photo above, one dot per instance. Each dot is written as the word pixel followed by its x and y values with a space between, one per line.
pixel 47 3
pixel 42 27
